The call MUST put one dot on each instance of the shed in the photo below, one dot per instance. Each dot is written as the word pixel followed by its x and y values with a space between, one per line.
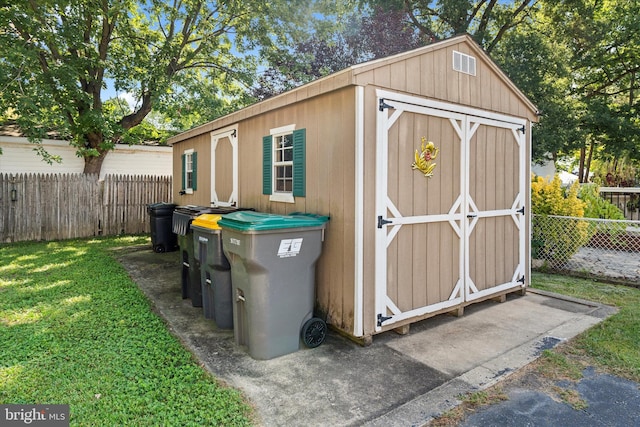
pixel 403 244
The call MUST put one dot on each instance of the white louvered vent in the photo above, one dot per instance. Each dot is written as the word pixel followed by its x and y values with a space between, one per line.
pixel 464 63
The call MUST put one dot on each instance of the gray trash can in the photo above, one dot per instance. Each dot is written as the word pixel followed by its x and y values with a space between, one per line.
pixel 215 271
pixel 273 261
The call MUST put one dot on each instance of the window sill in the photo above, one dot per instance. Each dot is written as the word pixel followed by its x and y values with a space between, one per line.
pixel 282 197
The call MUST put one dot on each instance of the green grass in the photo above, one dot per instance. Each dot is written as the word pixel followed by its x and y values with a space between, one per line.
pixel 614 344
pixel 74 329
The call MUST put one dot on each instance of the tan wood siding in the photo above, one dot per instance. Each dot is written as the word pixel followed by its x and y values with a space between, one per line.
pixel 438 80
pixel 202 195
pixel 329 121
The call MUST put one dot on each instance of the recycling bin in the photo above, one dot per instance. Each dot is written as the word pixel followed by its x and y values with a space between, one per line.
pixel 273 260
pixel 215 271
pixel 190 277
pixel 162 237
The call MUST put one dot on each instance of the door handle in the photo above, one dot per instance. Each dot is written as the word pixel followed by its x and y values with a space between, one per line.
pixel 472 215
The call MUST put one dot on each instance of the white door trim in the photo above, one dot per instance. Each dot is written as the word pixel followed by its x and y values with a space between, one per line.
pixel 232 134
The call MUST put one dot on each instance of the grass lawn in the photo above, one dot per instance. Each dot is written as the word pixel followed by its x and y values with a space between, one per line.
pixel 76 330
pixel 613 345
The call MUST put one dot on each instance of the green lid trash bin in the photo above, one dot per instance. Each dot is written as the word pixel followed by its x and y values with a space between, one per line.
pixel 272 260
pixel 215 271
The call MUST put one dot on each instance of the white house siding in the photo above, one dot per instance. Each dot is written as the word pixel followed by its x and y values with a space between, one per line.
pixel 18 156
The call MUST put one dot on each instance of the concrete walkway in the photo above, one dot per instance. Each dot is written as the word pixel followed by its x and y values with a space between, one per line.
pixel 397 381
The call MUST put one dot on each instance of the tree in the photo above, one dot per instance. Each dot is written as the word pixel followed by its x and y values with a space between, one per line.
pixel 539 66
pixel 603 46
pixel 486 20
pixel 57 57
pixel 348 39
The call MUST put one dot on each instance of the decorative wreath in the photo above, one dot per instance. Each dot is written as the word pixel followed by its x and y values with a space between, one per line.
pixel 425 157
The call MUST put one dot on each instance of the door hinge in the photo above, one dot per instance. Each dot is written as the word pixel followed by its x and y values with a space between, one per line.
pixel 523 129
pixel 382 319
pixel 521 210
pixel 382 221
pixel 382 105
pixel 521 280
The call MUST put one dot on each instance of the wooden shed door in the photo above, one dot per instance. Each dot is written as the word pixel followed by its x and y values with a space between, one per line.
pixel 457 235
pixel 224 168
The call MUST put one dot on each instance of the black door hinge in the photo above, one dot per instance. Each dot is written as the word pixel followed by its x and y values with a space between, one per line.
pixel 521 280
pixel 521 210
pixel 382 105
pixel 523 129
pixel 382 221
pixel 382 319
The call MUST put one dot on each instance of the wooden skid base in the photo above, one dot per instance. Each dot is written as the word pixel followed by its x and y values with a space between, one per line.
pixel 402 327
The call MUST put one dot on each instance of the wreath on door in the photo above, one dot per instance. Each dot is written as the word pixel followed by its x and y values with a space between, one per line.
pixel 424 158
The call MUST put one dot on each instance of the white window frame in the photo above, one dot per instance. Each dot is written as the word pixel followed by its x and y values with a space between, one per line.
pixel 188 168
pixel 280 196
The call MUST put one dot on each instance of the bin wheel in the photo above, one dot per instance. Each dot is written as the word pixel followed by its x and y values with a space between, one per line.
pixel 159 249
pixel 314 331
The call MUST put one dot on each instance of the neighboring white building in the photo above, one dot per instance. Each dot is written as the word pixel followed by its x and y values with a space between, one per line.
pixel 546 170
pixel 19 156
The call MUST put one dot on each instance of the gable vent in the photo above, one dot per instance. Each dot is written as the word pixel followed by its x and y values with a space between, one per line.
pixel 464 63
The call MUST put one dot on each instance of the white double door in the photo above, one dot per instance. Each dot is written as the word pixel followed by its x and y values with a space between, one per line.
pixel 458 235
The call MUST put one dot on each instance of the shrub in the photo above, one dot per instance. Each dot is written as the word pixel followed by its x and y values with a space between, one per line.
pixel 596 206
pixel 556 240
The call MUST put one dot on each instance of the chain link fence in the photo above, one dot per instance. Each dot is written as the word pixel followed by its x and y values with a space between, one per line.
pixel 596 248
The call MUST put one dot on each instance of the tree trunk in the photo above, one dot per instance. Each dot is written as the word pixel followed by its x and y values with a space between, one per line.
pixel 94 164
pixel 583 152
pixel 588 162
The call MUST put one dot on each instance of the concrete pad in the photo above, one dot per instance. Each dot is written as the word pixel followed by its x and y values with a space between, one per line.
pixel 398 380
pixel 456 345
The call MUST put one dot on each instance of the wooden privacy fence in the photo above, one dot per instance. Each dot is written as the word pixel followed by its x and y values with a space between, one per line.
pixel 66 206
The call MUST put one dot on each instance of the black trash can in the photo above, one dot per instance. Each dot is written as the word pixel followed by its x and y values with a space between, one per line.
pixel 182 218
pixel 162 237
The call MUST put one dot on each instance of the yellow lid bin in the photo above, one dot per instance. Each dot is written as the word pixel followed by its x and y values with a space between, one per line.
pixel 207 221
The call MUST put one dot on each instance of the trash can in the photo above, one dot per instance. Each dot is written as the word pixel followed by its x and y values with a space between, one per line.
pixel 190 277
pixel 272 260
pixel 215 271
pixel 162 237
pixel 183 216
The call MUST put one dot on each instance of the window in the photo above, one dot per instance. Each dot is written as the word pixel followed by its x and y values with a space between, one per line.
pixel 283 170
pixel 283 163
pixel 189 171
pixel 464 63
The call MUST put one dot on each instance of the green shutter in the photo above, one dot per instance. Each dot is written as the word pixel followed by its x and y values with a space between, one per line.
pixel 267 164
pixel 184 171
pixel 299 162
pixel 194 168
